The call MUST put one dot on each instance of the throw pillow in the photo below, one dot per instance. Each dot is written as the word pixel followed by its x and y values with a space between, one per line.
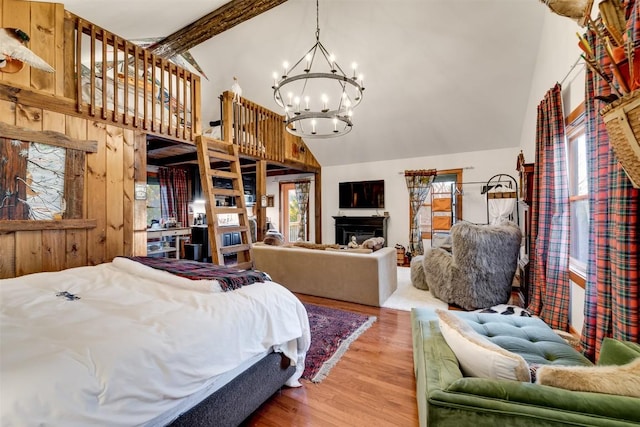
pixel 615 352
pixel 622 380
pixel 479 357
pixel 311 245
pixel 274 239
pixel 350 251
pixel 374 243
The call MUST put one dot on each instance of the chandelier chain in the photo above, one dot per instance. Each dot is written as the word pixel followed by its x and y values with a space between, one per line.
pixel 317 20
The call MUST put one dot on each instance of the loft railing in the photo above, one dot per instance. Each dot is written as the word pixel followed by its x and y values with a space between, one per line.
pixel 258 131
pixel 120 82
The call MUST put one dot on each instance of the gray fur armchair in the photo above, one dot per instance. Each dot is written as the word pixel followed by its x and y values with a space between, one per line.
pixel 479 271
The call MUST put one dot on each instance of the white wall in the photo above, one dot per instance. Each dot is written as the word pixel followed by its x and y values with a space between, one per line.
pixel 478 166
pixel 557 53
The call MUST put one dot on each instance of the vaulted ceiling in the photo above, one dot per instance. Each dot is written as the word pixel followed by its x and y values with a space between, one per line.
pixel 442 76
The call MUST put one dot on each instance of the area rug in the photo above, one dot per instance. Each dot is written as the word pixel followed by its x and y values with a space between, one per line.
pixel 406 296
pixel 332 331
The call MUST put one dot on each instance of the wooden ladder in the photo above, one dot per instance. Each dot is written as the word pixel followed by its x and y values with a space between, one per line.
pixel 225 156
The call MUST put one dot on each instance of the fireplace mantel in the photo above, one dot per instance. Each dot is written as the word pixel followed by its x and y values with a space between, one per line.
pixel 363 227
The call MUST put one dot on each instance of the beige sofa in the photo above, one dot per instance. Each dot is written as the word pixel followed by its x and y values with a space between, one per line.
pixel 356 277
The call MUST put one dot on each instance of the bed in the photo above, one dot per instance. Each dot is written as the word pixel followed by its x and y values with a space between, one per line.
pixel 124 344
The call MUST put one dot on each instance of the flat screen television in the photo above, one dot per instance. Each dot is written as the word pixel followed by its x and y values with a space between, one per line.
pixel 361 194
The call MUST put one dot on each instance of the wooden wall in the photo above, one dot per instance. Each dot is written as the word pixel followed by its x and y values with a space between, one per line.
pixel 109 174
pixel 44 23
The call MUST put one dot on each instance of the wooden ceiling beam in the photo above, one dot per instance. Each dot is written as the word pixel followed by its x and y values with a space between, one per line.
pixel 223 18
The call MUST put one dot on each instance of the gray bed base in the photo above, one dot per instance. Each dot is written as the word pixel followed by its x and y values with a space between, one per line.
pixel 235 401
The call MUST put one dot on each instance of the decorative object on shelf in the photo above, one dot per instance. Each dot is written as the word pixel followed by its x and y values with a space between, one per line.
pixel 611 51
pixel 236 89
pixel 577 10
pixel 317 96
pixel 14 53
pixel 620 66
pixel 622 119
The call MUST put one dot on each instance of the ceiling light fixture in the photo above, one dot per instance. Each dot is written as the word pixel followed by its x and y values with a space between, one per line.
pixel 316 95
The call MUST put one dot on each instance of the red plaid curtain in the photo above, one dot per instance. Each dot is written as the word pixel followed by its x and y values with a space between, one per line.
pixel 550 286
pixel 612 291
pixel 174 197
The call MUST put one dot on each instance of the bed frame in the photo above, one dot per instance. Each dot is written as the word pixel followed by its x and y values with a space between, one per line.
pixel 234 402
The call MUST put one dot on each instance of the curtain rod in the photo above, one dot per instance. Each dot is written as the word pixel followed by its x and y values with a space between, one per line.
pixel 465 168
pixel 575 64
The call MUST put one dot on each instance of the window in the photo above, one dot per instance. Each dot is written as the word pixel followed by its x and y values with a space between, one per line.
pixel 153 199
pixel 578 191
pixel 444 186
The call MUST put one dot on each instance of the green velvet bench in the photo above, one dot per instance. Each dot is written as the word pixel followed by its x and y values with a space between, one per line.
pixel 447 398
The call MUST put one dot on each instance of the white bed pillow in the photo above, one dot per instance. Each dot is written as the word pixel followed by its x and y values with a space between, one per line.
pixel 479 357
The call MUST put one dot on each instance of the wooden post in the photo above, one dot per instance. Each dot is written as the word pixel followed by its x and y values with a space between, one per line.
pixel 261 191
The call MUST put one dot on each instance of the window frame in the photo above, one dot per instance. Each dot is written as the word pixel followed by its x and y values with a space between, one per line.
pixel 426 235
pixel 575 127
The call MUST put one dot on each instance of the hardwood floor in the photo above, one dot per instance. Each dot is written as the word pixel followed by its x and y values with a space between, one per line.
pixel 372 384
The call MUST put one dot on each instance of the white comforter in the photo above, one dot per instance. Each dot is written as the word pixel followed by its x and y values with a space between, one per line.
pixel 133 345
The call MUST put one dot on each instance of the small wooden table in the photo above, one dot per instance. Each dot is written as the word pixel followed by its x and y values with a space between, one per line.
pixel 166 240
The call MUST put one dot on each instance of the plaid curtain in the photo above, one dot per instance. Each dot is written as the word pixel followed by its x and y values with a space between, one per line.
pixel 612 291
pixel 550 286
pixel 174 198
pixel 302 194
pixel 419 183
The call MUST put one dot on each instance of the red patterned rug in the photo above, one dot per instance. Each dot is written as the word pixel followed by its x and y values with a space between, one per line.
pixel 332 331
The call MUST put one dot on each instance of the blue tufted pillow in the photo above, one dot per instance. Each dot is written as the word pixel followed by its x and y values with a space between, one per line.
pixel 529 337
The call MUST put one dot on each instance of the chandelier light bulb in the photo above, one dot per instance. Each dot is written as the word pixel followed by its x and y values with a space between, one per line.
pixel 275 80
pixel 296 102
pixel 306 103
pixel 335 125
pixel 355 67
pixel 325 100
pixel 290 96
pixel 308 59
pixel 313 127
pixel 332 59
pixel 285 66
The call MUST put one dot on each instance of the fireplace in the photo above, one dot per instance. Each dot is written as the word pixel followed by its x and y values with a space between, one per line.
pixel 363 227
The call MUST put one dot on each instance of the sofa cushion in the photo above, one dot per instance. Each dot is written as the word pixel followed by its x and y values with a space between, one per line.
pixel 614 352
pixel 529 337
pixel 478 356
pixel 621 380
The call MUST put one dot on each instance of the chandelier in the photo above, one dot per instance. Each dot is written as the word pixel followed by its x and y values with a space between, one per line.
pixel 317 96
